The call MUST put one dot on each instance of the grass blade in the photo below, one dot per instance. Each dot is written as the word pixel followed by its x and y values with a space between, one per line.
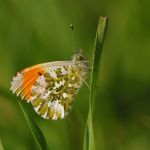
pixel 35 130
pixel 89 143
pixel 98 46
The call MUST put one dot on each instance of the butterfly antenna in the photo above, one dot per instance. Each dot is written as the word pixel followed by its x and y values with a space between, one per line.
pixel 71 26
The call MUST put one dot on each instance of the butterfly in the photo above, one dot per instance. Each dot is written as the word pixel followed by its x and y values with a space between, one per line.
pixel 50 87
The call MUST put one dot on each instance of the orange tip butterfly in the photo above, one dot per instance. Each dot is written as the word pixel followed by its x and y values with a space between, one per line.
pixel 50 87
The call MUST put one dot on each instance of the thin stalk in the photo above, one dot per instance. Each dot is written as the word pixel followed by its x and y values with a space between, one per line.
pixel 89 143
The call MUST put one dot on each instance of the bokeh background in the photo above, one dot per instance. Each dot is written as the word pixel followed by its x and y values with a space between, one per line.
pixel 34 31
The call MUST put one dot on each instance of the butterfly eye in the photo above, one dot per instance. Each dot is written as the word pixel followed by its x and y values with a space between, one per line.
pixel 81 57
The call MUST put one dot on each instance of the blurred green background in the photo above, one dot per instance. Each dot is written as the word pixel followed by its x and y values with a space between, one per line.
pixel 35 31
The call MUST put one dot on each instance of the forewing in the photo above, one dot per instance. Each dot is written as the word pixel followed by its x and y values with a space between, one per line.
pixel 23 81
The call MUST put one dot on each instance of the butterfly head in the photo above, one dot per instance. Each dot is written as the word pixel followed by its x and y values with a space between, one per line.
pixel 78 56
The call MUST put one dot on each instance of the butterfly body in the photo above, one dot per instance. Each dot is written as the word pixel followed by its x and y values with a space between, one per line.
pixel 50 87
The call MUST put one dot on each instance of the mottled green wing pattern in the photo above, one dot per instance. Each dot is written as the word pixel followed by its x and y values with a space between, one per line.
pixel 52 93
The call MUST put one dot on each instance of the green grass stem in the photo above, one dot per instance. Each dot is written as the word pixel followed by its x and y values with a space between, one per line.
pixel 89 143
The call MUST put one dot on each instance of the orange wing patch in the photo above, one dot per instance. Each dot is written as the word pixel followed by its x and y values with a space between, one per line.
pixel 23 82
pixel 29 79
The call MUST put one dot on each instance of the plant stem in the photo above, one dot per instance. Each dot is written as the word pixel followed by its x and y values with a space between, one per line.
pixel 89 143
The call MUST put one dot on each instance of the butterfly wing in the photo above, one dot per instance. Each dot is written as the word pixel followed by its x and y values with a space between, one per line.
pixel 49 87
